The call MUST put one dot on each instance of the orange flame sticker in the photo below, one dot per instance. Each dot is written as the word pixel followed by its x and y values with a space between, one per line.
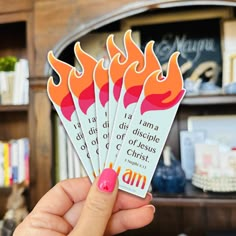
pixel 59 93
pixel 118 65
pixel 134 79
pixel 82 85
pixel 101 79
pixel 112 49
pixel 163 93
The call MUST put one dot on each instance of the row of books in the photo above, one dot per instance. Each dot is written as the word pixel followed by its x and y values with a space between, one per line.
pixel 67 163
pixel 14 85
pixel 14 162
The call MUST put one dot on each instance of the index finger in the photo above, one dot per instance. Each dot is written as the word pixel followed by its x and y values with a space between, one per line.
pixel 63 195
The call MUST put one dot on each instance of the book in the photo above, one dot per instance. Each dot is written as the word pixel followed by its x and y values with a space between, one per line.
pixel 60 145
pixel 21 160
pixel 6 164
pixel 7 82
pixel 70 158
pixel 14 160
pixel 26 160
pixel 20 83
pixel 1 165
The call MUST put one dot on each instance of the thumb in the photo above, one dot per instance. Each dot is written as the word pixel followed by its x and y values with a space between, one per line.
pixel 98 205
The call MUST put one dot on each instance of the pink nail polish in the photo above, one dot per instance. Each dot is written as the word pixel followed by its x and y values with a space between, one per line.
pixel 107 180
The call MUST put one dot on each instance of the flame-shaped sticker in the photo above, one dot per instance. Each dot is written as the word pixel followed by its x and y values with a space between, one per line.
pixel 163 93
pixel 101 80
pixel 82 85
pixel 59 93
pixel 119 65
pixel 112 48
pixel 134 79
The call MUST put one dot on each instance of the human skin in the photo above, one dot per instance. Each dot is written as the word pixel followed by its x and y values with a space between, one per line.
pixel 77 207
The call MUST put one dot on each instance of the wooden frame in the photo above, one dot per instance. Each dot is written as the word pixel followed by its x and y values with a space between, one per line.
pixel 176 17
pixel 229 67
pixel 27 17
pixel 229 60
pixel 233 67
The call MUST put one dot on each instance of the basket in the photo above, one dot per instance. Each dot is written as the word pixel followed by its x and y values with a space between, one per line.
pixel 214 184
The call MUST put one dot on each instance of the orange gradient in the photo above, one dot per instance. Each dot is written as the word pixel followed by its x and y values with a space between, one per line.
pixel 57 92
pixel 112 49
pixel 118 66
pixel 100 74
pixel 101 80
pixel 163 93
pixel 82 85
pixel 134 79
pixel 79 82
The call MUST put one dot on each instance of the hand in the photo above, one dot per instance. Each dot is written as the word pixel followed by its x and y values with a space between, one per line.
pixel 74 207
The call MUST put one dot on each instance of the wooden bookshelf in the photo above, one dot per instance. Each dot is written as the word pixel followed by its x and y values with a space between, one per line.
pixel 14 108
pixel 205 100
pixel 195 197
pixel 16 21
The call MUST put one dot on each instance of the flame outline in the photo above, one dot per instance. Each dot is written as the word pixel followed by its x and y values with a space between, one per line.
pixel 118 65
pixel 113 49
pixel 82 84
pixel 101 80
pixel 158 94
pixel 134 78
pixel 59 93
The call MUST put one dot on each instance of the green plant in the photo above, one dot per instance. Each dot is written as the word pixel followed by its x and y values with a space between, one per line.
pixel 7 63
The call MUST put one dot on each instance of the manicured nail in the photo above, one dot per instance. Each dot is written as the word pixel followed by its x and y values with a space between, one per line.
pixel 150 196
pixel 107 180
pixel 151 207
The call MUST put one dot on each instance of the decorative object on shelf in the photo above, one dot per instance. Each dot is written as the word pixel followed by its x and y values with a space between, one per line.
pixel 7 75
pixel 215 159
pixel 229 52
pixel 218 184
pixel 16 209
pixel 169 176
pixel 187 150
pixel 229 68
pixel 14 84
pixel 230 88
pixel 215 128
pixel 210 87
pixel 215 168
pixel 7 63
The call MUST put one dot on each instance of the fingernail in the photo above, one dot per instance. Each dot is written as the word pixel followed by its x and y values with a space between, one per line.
pixel 151 207
pixel 107 180
pixel 150 196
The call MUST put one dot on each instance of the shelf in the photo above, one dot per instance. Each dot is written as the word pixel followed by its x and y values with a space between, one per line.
pixel 4 193
pixel 5 190
pixel 13 108
pixel 209 100
pixel 195 197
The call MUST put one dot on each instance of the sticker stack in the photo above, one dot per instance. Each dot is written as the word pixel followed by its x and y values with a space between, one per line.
pixel 119 115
